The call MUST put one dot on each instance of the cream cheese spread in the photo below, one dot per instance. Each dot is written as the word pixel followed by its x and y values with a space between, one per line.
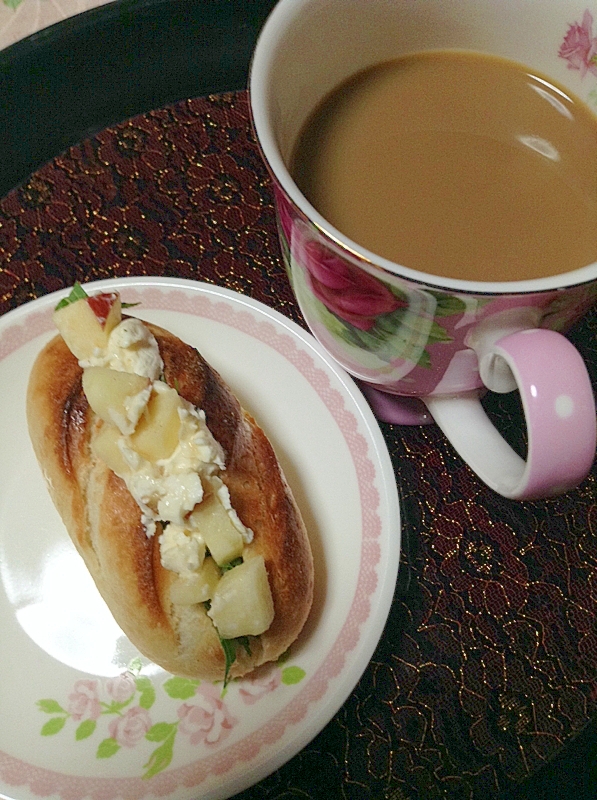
pixel 180 551
pixel 134 407
pixel 131 348
pixel 166 490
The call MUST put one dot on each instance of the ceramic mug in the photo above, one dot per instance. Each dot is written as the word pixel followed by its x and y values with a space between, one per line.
pixel 444 341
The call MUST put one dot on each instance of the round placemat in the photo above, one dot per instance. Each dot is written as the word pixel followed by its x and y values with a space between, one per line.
pixel 488 664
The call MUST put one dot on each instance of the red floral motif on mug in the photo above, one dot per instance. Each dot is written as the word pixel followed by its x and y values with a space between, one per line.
pixel 579 47
pixel 347 291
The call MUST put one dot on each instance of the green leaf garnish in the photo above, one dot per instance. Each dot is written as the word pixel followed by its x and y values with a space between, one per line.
pixel 236 562
pixel 229 647
pixel 76 293
pixel 245 644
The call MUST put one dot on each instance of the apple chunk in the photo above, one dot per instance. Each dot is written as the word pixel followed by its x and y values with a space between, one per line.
pixel 116 397
pixel 212 521
pixel 105 447
pixel 242 603
pixel 196 587
pixel 158 429
pixel 107 307
pixel 82 329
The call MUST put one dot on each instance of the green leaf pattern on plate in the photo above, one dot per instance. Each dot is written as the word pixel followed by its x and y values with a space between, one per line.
pixel 116 711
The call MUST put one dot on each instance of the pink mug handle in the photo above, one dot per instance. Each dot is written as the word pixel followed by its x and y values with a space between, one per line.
pixel 559 407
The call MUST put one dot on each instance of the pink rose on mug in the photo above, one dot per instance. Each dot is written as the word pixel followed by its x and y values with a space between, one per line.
pixel 348 292
pixel 580 46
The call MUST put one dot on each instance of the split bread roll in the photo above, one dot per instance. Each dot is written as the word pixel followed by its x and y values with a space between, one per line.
pixel 108 529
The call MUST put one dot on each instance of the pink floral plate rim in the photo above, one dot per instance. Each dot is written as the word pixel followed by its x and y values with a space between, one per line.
pixel 318 695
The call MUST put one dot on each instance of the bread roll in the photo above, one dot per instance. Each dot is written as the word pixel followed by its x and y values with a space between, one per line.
pixel 106 525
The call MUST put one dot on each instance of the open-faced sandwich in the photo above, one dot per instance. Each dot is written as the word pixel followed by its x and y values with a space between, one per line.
pixel 170 491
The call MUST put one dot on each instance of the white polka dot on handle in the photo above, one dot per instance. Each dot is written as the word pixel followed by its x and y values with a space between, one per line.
pixel 564 406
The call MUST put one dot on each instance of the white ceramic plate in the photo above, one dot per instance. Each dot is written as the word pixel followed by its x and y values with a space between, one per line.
pixel 82 714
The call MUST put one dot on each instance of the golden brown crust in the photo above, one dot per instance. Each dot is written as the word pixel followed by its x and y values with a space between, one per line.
pixel 104 520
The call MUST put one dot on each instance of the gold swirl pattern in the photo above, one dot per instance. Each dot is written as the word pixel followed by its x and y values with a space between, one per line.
pixel 488 664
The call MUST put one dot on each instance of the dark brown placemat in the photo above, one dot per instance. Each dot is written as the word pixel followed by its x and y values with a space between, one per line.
pixel 488 665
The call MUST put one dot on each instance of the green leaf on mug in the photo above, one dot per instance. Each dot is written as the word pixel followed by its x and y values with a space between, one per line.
pixel 388 323
pixel 448 305
pixel 397 292
pixel 424 361
pixel 286 257
pixel 438 334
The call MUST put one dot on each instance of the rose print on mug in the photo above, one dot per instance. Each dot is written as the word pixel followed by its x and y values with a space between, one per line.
pixel 203 717
pixel 463 308
pixel 579 47
pixel 351 294
pixel 384 324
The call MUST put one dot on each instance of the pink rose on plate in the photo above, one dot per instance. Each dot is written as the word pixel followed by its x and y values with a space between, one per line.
pixel 347 291
pixel 261 683
pixel 131 727
pixel 208 720
pixel 121 688
pixel 580 46
pixel 84 703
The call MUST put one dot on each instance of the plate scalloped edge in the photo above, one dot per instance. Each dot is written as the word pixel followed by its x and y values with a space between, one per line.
pixel 269 326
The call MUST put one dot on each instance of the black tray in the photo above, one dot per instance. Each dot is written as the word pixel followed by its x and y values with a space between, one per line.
pixel 75 78
pixel 69 81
